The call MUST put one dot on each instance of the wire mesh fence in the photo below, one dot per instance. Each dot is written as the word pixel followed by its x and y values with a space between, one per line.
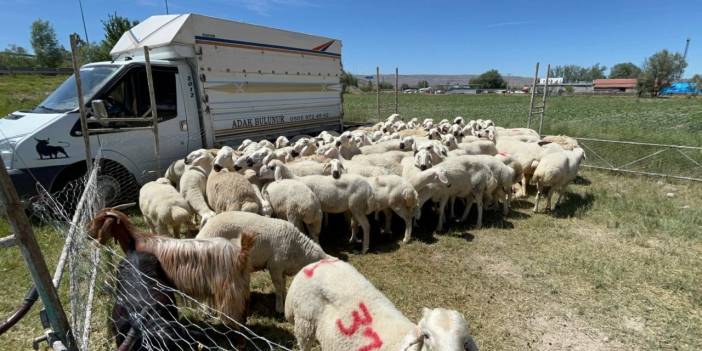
pixel 118 299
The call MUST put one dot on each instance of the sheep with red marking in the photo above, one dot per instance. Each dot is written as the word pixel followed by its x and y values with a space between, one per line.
pixel 352 314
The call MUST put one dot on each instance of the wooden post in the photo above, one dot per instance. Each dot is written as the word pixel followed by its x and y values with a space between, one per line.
pixel 397 80
pixel 35 261
pixel 154 110
pixel 377 89
pixel 533 91
pixel 81 103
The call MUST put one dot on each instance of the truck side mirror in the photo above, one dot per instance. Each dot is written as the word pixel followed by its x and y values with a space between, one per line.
pixel 99 109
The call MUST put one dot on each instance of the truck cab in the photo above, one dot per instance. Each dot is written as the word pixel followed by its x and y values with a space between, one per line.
pixel 44 146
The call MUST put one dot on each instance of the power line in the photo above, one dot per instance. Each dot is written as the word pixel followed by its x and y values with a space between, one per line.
pixel 85 29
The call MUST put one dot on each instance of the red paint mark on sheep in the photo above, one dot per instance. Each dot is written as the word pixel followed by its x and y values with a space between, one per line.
pixel 357 320
pixel 309 272
pixel 366 320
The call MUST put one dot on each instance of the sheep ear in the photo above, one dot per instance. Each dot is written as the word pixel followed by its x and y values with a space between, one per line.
pixel 543 142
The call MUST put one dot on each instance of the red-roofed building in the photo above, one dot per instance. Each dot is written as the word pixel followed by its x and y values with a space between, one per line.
pixel 623 85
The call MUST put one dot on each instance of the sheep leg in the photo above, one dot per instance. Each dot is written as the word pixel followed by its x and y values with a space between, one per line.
pixel 442 215
pixel 363 221
pixel 525 182
pixel 313 229
pixel 452 213
pixel 406 215
pixel 507 204
pixel 304 333
pixel 296 221
pixel 388 220
pixel 466 211
pixel 163 229
pixel 279 284
pixel 548 199
pixel 479 204
pixel 560 195
pixel 536 202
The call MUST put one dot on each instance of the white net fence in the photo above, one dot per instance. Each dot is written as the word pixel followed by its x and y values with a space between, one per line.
pixel 124 300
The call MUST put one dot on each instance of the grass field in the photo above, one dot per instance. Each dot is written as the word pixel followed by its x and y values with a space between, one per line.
pixel 617 267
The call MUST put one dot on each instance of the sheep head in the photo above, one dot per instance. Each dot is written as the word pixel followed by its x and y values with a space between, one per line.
pixel 335 168
pixel 200 158
pixel 282 141
pixel 446 330
pixel 224 159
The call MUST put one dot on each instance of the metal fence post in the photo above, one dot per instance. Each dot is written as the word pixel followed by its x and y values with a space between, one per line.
pixel 35 261
pixel 543 100
pixel 377 89
pixel 533 91
pixel 81 103
pixel 154 110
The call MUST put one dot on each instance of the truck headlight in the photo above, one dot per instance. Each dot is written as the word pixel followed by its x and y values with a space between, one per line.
pixel 6 157
pixel 7 147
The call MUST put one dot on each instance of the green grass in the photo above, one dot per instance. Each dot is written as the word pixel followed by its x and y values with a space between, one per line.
pixel 617 267
pixel 23 91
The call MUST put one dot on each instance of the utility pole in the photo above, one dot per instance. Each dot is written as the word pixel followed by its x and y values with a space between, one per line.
pixel 687 45
pixel 166 6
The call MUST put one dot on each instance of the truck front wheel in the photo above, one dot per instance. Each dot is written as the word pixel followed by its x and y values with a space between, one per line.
pixel 115 185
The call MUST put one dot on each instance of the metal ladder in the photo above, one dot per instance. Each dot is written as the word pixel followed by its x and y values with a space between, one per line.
pixel 538 110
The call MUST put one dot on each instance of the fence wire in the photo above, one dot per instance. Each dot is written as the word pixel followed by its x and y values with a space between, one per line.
pixel 113 298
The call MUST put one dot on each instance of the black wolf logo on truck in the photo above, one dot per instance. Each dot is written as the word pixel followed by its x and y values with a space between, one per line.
pixel 50 151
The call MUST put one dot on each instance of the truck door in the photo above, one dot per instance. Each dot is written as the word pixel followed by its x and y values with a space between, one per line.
pixel 129 97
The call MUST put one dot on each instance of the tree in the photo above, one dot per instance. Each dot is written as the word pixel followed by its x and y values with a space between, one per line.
pixel 624 70
pixel 404 86
pixel 575 73
pixel 386 86
pixel 347 80
pixel 16 56
pixel 422 84
pixel 491 79
pixel 114 27
pixel 46 48
pixel 368 87
pixel 659 71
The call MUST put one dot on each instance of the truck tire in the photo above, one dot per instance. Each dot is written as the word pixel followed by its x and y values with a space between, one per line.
pixel 116 185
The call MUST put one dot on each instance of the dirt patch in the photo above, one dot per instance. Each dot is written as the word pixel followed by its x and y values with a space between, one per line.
pixel 559 330
pixel 500 266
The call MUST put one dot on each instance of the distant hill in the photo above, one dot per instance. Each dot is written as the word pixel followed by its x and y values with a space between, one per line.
pixel 442 79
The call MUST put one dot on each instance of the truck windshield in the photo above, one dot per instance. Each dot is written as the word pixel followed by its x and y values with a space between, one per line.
pixel 65 98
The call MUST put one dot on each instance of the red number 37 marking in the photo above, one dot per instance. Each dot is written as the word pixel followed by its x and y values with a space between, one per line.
pixel 365 320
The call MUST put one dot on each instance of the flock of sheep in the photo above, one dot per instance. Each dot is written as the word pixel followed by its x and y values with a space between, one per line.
pixel 263 205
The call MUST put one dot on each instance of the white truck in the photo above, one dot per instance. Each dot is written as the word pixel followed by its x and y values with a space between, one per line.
pixel 216 83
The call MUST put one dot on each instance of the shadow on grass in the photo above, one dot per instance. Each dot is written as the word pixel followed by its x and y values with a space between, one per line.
pixel 573 204
pixel 580 180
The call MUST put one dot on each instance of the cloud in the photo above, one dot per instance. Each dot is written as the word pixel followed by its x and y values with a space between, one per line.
pixel 506 24
pixel 264 7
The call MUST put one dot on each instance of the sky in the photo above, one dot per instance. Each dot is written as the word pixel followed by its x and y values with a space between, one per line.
pixel 421 37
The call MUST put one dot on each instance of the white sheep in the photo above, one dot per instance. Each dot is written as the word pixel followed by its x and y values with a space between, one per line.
pixel 164 207
pixel 193 183
pixel 566 142
pixel 504 175
pixel 554 172
pixel 527 155
pixel 279 247
pixel 349 193
pixel 331 302
pixel 480 147
pixel 470 179
pixel 293 201
pixel 395 193
pixel 231 191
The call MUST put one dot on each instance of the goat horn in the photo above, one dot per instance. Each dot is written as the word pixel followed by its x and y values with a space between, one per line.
pixel 123 207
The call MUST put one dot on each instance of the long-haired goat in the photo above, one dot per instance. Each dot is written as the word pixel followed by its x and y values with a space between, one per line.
pixel 215 271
